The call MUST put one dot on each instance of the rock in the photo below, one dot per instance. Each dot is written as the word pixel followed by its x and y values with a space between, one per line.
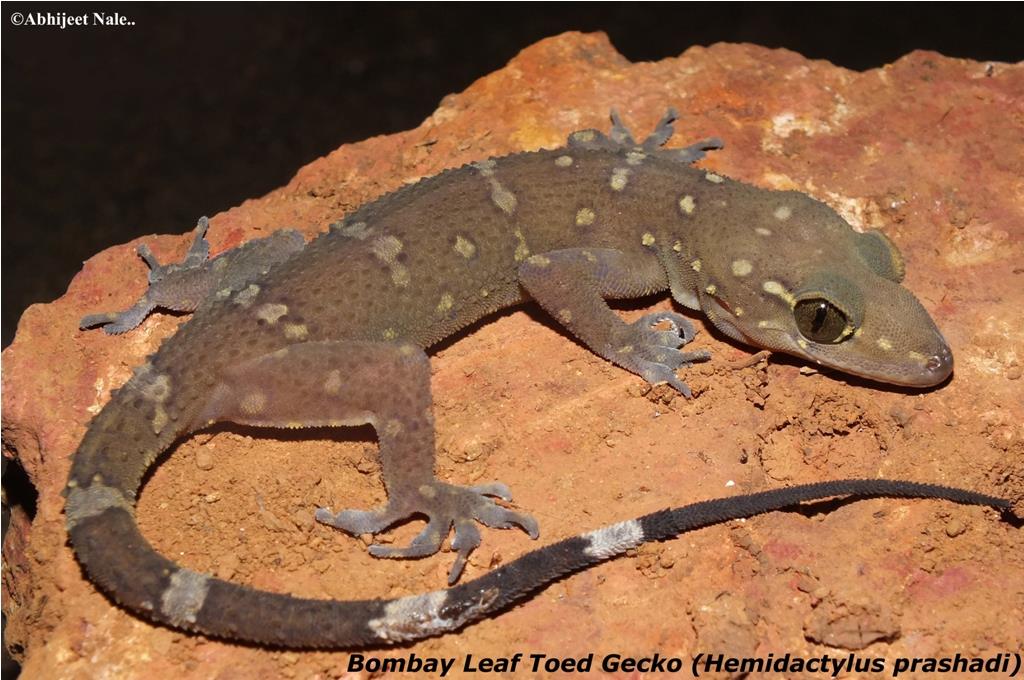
pixel 929 148
pixel 851 628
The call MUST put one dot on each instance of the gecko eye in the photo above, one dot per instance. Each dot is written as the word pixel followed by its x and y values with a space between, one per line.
pixel 820 321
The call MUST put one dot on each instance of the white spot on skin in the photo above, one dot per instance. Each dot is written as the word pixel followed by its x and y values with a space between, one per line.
pixel 417 616
pixel 445 304
pixel 775 288
pixel 159 419
pixel 761 231
pixel 392 428
pixel 783 213
pixel 399 275
pixel 333 383
pixel 687 204
pixel 585 217
pixel 620 177
pixel 713 178
pixel 711 289
pixel 253 403
pixel 564 161
pixel 85 503
pixel 389 334
pixel 246 296
pixel 565 316
pixel 296 331
pixel 155 389
pixel 635 157
pixel 184 596
pixel 539 261
pixel 464 247
pixel 522 250
pixel 583 136
pixel 884 344
pixel 356 230
pixel 614 540
pixel 271 312
pixel 741 267
pixel 503 198
pixel 647 239
pixel 486 167
pixel 387 249
pixel 695 265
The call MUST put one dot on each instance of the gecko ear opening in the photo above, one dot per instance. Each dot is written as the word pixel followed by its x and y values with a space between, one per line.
pixel 881 254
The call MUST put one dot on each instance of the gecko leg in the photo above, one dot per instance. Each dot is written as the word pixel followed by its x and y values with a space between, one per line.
pixel 184 286
pixel 572 286
pixel 386 385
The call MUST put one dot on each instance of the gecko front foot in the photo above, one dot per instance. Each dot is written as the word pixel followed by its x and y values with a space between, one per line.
pixel 652 354
pixel 446 507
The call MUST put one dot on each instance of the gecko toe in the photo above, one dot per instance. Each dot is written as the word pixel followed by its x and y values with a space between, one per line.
pixel 427 542
pixel 497 517
pixel 494 489
pixel 656 373
pixel 466 540
pixel 359 522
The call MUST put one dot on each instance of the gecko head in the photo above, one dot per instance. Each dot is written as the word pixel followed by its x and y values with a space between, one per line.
pixel 800 280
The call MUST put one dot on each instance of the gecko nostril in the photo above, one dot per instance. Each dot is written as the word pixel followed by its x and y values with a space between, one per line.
pixel 940 365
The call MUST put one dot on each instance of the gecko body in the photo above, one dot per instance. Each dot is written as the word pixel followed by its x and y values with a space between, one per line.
pixel 334 332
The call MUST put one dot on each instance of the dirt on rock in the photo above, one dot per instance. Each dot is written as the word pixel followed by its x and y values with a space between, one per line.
pixel 930 149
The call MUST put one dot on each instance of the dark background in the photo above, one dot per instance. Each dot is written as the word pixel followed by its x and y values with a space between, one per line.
pixel 110 133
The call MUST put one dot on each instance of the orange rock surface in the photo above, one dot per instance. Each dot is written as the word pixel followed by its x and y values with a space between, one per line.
pixel 930 149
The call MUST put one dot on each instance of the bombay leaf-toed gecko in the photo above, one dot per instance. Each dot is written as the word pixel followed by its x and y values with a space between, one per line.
pixel 287 334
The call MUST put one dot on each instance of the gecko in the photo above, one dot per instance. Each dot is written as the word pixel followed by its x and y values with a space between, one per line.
pixel 334 332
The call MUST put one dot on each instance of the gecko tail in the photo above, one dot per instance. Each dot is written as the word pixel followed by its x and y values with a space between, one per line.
pixel 108 542
pixel 418 616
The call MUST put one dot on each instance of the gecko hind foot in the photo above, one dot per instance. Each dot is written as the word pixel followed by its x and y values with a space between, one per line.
pixel 689 154
pixel 115 323
pixel 620 139
pixel 446 507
